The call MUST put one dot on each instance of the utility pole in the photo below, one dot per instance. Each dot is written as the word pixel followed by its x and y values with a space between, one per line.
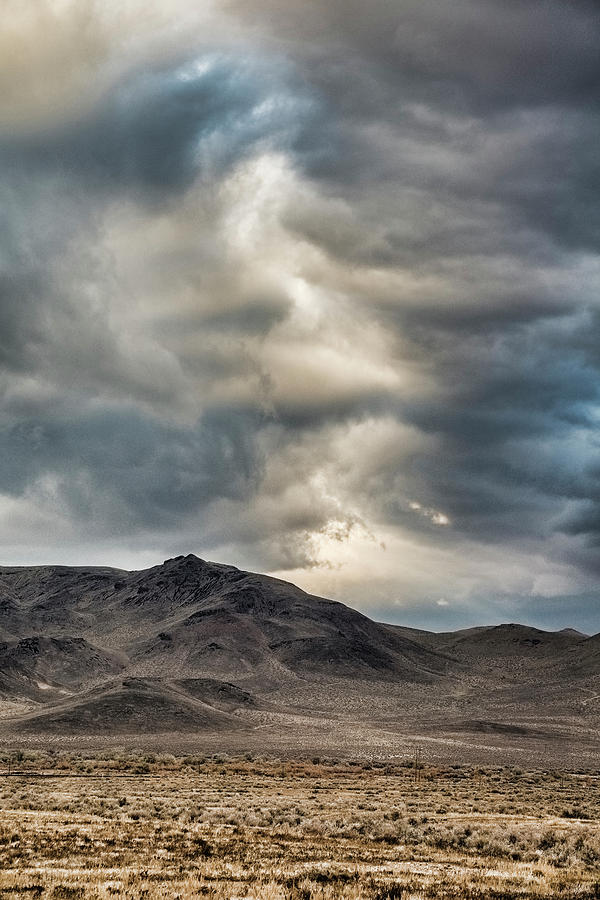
pixel 417 765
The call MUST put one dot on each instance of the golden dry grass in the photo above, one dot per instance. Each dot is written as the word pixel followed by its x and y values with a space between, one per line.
pixel 161 826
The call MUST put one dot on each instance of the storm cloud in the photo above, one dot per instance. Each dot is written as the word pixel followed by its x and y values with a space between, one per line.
pixel 311 289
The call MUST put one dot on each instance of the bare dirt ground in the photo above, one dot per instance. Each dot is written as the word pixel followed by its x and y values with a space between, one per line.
pixel 119 824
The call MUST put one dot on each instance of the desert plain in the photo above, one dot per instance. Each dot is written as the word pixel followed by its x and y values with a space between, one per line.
pixel 144 825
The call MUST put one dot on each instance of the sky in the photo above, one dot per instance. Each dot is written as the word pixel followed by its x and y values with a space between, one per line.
pixel 311 288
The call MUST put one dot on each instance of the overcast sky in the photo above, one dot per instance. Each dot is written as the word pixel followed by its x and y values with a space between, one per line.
pixel 310 287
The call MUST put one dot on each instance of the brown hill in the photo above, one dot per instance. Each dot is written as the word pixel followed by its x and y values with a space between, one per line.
pixel 131 705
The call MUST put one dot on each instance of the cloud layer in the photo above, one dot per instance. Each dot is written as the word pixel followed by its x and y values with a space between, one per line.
pixel 310 289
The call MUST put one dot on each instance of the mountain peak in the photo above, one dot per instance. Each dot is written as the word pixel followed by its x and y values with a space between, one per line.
pixel 190 562
pixel 190 558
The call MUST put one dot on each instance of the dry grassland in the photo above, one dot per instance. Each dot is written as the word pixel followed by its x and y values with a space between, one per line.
pixel 151 826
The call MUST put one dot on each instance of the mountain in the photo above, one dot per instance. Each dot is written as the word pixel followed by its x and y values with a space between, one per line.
pixel 188 617
pixel 195 645
pixel 196 648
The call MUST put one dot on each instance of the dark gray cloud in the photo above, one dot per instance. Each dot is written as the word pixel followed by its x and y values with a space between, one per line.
pixel 138 472
pixel 472 55
pixel 313 288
